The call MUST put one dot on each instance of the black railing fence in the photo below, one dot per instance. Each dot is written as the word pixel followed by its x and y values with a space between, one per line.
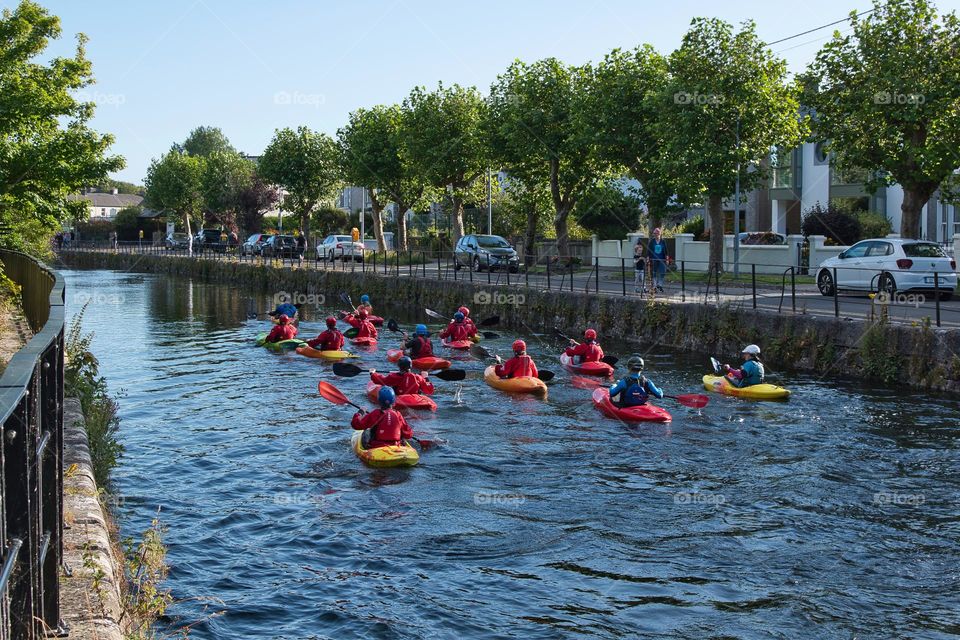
pixel 794 289
pixel 31 454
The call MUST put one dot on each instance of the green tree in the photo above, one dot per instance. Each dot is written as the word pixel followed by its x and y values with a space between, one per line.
pixel 205 141
pixel 127 223
pixel 444 143
pixel 886 96
pixel 727 105
pixel 174 183
pixel 327 220
pixel 519 209
pixel 225 178
pixel 536 133
pixel 623 103
pixel 305 165
pixel 608 212
pixel 47 150
pixel 254 200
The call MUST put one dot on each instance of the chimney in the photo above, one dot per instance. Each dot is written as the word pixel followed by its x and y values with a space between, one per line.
pixel 114 191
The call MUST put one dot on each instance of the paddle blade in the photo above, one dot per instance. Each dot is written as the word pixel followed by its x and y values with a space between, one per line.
pixel 392 325
pixel 346 369
pixel 560 334
pixel 491 321
pixel 490 335
pixel 450 375
pixel 352 332
pixel 546 376
pixel 331 393
pixel 716 365
pixel 694 400
pixel 610 360
pixel 434 314
pixel 345 299
pixel 481 352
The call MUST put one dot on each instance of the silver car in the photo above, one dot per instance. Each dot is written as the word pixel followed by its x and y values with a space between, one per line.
pixel 337 246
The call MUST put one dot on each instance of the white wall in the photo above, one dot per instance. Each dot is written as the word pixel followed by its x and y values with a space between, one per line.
pixel 815 180
pixel 820 252
pixel 769 259
pixel 894 200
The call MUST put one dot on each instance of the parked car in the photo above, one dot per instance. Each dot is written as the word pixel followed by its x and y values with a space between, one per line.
pixel 890 265
pixel 252 245
pixel 209 239
pixel 343 247
pixel 481 251
pixel 279 247
pixel 176 241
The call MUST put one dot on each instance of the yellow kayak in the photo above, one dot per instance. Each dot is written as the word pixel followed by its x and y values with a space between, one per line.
pixel 720 384
pixel 310 352
pixel 525 384
pixel 397 456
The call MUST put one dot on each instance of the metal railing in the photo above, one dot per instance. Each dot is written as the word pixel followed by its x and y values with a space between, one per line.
pixel 31 466
pixel 770 287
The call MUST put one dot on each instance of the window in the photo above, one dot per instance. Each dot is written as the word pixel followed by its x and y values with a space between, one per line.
pixel 103 212
pixel 956 220
pixel 923 250
pixel 880 249
pixel 820 153
pixel 858 250
pixel 113 213
pixel 944 218
pixel 781 162
pixel 844 176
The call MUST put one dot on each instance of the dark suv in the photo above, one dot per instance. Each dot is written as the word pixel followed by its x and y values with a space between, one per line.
pixel 481 251
pixel 209 239
pixel 279 247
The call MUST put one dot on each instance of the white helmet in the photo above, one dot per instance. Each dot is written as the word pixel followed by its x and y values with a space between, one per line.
pixel 752 349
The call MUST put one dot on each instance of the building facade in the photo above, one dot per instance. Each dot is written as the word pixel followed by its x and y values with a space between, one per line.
pixel 106 206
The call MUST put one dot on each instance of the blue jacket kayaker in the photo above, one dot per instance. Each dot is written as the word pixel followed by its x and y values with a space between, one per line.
pixel 634 389
pixel 750 372
pixel 284 309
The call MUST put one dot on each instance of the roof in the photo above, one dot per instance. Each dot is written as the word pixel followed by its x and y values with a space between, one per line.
pixel 118 200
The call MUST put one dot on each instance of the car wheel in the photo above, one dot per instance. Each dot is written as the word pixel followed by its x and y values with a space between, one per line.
pixel 476 265
pixel 515 269
pixel 946 296
pixel 825 283
pixel 330 257
pixel 887 284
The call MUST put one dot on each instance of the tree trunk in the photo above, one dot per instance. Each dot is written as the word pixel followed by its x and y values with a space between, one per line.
pixel 560 226
pixel 401 239
pixel 377 216
pixel 914 199
pixel 457 219
pixel 186 223
pixel 530 238
pixel 715 209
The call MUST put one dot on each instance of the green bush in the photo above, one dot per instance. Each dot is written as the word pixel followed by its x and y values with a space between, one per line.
pixel 873 225
pixel 607 212
pixel 693 225
pixel 842 227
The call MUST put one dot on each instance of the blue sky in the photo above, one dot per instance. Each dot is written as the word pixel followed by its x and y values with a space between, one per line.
pixel 248 67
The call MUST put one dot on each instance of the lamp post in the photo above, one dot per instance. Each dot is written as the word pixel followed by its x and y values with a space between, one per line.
pixel 736 211
pixel 489 202
pixel 363 217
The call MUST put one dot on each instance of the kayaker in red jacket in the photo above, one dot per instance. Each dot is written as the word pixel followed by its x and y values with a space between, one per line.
pixel 365 304
pixel 457 330
pixel 467 320
pixel 404 382
pixel 365 328
pixel 329 340
pixel 387 427
pixel 519 366
pixel 419 346
pixel 283 331
pixel 586 351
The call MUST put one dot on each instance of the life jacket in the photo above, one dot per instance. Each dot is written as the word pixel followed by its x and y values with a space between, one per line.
pixel 591 352
pixel 521 367
pixel 421 347
pixel 752 375
pixel 636 392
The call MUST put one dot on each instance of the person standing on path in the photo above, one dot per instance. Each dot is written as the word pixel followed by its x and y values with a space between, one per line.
pixel 301 248
pixel 657 252
pixel 639 268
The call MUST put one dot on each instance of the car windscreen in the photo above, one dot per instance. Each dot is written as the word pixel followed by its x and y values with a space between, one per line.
pixel 344 239
pixel 492 242
pixel 923 250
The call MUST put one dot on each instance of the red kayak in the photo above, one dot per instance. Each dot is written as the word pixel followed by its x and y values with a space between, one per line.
pixel 404 400
pixel 457 344
pixel 641 413
pixel 426 363
pixel 376 321
pixel 586 368
pixel 364 342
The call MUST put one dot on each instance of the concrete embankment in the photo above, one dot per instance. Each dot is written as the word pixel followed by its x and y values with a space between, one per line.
pixel 920 356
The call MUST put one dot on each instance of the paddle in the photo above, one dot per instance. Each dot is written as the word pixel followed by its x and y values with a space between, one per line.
pixel 352 332
pixel 486 322
pixel 694 400
pixel 345 299
pixel 348 370
pixel 334 395
pixel 610 360
pixel 716 365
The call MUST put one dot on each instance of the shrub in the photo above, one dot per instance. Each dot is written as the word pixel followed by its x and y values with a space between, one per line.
pixel 873 225
pixel 693 225
pixel 842 227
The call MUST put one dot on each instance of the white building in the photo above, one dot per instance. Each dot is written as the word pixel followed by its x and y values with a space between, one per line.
pixel 106 206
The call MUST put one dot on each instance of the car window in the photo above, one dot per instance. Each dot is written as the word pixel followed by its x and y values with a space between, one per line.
pixel 923 250
pixel 343 239
pixel 493 242
pixel 878 248
pixel 858 250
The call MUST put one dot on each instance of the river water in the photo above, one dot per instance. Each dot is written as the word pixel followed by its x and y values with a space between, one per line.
pixel 834 515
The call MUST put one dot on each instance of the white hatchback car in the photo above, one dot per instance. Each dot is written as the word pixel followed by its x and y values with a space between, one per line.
pixel 343 247
pixel 889 264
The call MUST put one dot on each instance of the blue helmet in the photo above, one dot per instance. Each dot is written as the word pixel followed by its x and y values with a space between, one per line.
pixel 458 316
pixel 405 363
pixel 365 299
pixel 386 397
pixel 421 330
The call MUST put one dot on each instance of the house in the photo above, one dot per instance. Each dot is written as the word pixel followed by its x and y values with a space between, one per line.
pixel 106 206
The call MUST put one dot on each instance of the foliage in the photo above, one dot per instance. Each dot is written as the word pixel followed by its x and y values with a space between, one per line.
pixel 47 149
pixel 444 143
pixel 842 227
pixel 327 220
pixel 82 380
pixel 174 183
pixel 694 225
pixel 873 224
pixel 146 569
pixel 127 223
pixel 107 186
pixel 305 164
pixel 762 238
pixel 204 142
pixel 224 181
pixel 726 105
pixel 253 200
pixel 886 99
pixel 608 212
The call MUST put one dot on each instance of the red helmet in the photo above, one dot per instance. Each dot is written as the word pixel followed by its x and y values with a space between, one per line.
pixel 331 321
pixel 590 334
pixel 519 346
pixel 362 313
pixel 465 311
pixel 283 319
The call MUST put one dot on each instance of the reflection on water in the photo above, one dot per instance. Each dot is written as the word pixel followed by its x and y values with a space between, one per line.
pixel 833 515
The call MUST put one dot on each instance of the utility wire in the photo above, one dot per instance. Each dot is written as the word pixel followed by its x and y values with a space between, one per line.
pixel 803 33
